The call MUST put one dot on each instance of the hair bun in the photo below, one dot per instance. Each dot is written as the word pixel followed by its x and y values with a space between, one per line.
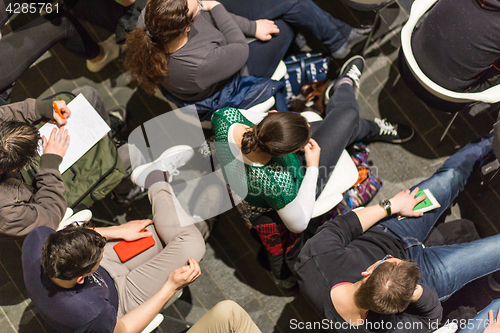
pixel 249 142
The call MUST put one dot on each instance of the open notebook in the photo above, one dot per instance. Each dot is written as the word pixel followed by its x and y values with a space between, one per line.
pixel 85 127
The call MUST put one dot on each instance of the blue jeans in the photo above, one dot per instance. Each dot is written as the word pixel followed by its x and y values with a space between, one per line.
pixel 448 268
pixel 479 322
pixel 303 15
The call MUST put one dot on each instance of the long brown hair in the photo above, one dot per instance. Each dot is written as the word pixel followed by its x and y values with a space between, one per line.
pixel 146 48
pixel 278 134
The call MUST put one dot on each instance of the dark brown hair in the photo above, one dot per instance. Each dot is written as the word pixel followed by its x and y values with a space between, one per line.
pixel 389 288
pixel 71 252
pixel 278 134
pixel 146 53
pixel 18 145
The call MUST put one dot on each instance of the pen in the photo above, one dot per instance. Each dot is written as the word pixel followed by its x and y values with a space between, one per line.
pixel 58 111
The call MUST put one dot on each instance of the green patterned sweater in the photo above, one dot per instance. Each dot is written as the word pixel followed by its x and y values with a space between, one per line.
pixel 273 185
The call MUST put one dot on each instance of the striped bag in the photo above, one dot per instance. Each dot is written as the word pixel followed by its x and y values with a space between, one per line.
pixel 368 183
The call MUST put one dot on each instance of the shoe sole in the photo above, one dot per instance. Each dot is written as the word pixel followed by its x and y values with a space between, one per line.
pixel 172 150
pixel 405 140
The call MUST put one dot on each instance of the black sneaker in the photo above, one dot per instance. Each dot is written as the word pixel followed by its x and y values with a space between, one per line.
pixel 392 133
pixel 117 119
pixel 352 69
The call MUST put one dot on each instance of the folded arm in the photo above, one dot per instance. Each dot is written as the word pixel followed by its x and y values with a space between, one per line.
pixel 225 60
pixel 296 214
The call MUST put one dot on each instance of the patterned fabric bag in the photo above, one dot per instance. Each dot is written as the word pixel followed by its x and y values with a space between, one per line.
pixel 368 183
pixel 304 68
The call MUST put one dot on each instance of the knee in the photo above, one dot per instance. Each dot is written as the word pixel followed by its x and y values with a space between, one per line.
pixel 349 116
pixel 227 309
pixel 89 93
pixel 196 242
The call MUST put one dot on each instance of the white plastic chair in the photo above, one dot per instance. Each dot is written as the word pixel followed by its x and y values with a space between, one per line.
pixel 153 324
pixel 419 8
pixel 343 177
pixel 278 74
pixel 448 328
pixel 82 216
pixel 490 95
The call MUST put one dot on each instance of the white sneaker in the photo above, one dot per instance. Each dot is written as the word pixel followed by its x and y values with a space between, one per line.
pixel 111 52
pixel 169 161
pixel 209 203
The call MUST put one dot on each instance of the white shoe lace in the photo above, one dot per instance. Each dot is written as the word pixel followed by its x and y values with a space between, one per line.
pixel 386 128
pixel 354 74
pixel 172 165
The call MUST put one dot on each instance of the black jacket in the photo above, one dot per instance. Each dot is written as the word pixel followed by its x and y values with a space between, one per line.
pixel 457 44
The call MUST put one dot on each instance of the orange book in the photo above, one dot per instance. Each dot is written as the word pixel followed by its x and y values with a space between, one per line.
pixel 126 250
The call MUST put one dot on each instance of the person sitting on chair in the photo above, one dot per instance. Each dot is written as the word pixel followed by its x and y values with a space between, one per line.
pixel 381 277
pixel 193 49
pixel 268 145
pixel 78 283
pixel 455 47
pixel 23 208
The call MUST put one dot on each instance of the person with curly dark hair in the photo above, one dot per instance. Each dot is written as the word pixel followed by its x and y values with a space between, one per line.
pixel 193 49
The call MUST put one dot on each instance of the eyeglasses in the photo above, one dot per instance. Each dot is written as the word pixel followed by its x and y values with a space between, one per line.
pixel 388 256
pixel 200 6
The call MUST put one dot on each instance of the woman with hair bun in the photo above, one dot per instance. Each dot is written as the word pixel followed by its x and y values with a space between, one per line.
pixel 262 157
pixel 194 48
pixel 270 145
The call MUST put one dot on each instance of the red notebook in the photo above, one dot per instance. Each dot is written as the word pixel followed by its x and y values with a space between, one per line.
pixel 126 250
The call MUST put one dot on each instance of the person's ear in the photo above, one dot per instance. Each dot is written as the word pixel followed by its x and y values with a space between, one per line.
pixel 188 29
pixel 366 273
pixel 80 280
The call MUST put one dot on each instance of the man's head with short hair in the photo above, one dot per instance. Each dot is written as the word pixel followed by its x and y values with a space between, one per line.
pixel 72 252
pixel 389 288
pixel 18 145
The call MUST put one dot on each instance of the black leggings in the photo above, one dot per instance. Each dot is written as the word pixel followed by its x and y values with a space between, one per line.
pixel 340 128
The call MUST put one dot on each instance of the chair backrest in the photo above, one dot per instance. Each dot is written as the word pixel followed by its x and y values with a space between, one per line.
pixel 153 324
pixel 419 8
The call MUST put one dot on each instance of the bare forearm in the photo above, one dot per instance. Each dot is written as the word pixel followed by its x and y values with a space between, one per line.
pixel 137 319
pixel 109 233
pixel 369 216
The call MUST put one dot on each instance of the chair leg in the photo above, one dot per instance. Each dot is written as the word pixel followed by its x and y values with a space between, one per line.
pixel 448 127
pixel 370 35
pixel 375 21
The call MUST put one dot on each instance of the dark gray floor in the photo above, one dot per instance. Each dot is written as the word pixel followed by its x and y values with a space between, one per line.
pixel 230 269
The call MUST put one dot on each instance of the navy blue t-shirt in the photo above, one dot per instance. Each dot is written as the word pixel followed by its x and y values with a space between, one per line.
pixel 88 307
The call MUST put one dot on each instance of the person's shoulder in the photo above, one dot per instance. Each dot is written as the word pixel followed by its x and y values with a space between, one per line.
pixel 37 236
pixel 228 114
pixel 81 311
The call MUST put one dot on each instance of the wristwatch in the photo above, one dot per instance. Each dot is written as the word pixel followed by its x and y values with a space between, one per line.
pixel 386 204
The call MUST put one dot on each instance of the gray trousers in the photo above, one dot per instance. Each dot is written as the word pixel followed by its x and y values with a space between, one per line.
pixel 143 276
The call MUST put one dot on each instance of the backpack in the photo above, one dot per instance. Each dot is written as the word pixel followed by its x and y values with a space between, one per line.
pixel 93 176
pixel 304 68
